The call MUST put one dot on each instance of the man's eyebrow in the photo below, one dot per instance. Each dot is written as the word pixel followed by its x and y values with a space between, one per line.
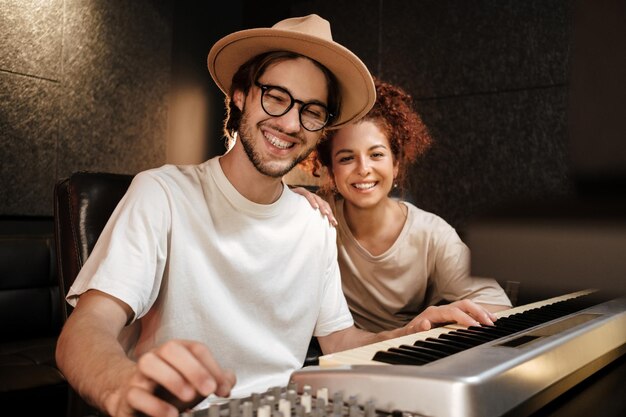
pixel 313 101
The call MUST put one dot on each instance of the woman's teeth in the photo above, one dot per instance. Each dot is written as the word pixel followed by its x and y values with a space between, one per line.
pixel 364 185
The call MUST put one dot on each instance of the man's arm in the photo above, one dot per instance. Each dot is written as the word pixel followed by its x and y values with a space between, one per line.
pixel 463 312
pixel 96 365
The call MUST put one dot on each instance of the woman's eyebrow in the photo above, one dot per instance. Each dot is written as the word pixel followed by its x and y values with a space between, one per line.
pixel 344 151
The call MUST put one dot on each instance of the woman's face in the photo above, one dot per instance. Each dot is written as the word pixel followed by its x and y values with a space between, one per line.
pixel 363 166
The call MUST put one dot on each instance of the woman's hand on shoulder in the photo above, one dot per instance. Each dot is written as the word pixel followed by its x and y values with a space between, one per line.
pixel 317 202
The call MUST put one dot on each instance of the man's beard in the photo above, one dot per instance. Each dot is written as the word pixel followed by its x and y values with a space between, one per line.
pixel 244 136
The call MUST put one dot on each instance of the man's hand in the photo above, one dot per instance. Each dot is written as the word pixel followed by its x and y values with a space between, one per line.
pixel 317 202
pixel 169 379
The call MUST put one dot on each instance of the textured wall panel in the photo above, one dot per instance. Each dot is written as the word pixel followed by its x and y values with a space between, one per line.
pixel 491 80
pixel 354 24
pixel 490 149
pixel 30 38
pixel 466 47
pixel 28 134
pixel 83 86
pixel 115 85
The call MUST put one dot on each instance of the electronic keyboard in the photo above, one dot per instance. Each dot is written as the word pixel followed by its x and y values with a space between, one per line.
pixel 532 354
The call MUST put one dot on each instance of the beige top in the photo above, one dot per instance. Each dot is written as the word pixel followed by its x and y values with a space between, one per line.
pixel 427 264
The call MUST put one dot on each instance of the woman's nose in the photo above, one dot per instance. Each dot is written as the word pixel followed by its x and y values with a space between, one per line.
pixel 364 166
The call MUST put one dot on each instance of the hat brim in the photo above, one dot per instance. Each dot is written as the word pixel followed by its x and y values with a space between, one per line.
pixel 355 82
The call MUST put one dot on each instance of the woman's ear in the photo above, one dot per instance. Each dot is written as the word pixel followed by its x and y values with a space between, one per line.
pixel 396 169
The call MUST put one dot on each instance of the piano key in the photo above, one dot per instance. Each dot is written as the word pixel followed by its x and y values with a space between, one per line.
pixel 439 345
pixel 426 351
pixel 520 321
pixel 467 341
pixel 453 343
pixel 480 335
pixel 394 356
pixel 414 353
pixel 491 330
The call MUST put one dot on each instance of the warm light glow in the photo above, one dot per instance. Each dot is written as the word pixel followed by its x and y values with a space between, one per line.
pixel 186 138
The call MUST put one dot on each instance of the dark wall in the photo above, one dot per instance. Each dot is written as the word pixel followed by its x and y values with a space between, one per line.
pixel 598 95
pixel 490 79
pixel 83 86
pixel 91 85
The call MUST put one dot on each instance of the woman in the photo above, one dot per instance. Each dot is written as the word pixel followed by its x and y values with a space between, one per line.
pixel 396 260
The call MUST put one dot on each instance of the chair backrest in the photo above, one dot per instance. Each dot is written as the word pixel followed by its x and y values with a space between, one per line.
pixel 83 203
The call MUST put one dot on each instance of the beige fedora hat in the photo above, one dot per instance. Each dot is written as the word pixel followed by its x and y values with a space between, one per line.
pixel 309 36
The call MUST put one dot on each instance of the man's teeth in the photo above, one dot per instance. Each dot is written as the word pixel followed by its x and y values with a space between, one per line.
pixel 365 185
pixel 279 143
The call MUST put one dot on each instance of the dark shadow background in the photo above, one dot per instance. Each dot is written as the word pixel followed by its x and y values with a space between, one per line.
pixel 525 99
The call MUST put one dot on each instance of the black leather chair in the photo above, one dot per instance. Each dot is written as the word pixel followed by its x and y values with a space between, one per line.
pixel 30 317
pixel 83 203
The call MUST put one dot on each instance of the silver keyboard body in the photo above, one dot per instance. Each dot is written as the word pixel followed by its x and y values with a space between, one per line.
pixel 515 374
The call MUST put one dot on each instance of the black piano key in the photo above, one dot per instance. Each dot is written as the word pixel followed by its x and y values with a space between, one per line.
pixel 418 356
pixel 452 343
pixel 542 316
pixel 478 339
pixel 511 323
pixel 521 321
pixel 468 342
pixel 425 352
pixel 492 330
pixel 396 358
pixel 439 345
pixel 482 335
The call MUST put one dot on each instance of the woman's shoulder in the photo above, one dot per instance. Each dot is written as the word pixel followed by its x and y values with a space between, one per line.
pixel 419 217
pixel 421 213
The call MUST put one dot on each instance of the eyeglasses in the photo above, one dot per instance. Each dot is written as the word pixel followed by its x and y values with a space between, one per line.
pixel 276 101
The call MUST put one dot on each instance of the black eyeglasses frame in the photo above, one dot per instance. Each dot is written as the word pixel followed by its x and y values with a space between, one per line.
pixel 265 87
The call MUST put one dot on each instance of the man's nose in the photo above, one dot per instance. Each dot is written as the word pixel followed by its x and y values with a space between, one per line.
pixel 290 121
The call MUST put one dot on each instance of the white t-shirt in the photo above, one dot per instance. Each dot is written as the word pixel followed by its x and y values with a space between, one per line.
pixel 196 260
pixel 427 263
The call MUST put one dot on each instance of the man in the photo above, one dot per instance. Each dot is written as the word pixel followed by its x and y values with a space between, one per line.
pixel 218 267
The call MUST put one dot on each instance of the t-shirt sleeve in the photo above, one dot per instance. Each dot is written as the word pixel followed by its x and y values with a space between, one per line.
pixel 334 313
pixel 451 274
pixel 128 260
